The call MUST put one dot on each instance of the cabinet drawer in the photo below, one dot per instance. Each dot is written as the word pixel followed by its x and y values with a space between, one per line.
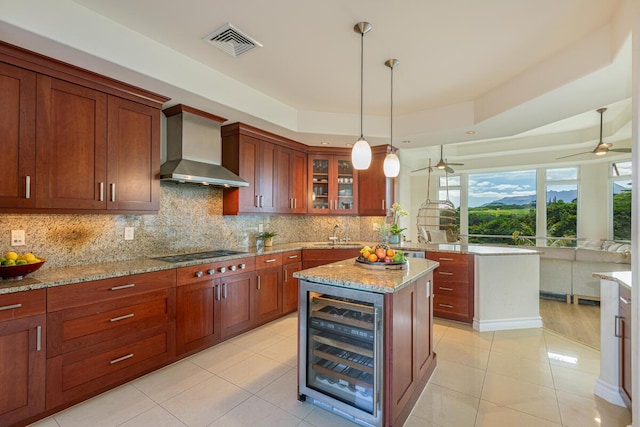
pixel 22 304
pixel 86 372
pixel 447 275
pixel 267 261
pixel 451 289
pixel 291 256
pixel 198 273
pixel 449 259
pixel 69 296
pixel 77 328
pixel 451 305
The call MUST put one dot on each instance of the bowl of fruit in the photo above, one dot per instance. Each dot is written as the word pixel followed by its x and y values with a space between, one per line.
pixel 16 266
pixel 382 257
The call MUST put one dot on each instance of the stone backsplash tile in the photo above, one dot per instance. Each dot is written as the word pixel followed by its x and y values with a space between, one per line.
pixel 190 219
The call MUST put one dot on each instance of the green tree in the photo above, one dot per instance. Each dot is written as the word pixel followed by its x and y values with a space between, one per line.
pixel 622 215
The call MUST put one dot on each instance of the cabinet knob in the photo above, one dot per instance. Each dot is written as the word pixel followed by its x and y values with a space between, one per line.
pixel 242 266
pixel 222 269
pixel 199 274
pixel 211 272
pixel 232 268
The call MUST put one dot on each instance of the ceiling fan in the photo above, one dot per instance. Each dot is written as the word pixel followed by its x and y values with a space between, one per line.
pixel 603 147
pixel 442 164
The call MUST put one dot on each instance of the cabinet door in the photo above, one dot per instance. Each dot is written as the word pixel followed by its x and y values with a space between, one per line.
pixel 268 294
pixel 198 316
pixel 291 181
pixel 133 156
pixel 267 173
pixel 423 326
pixel 237 306
pixel 625 345
pixel 345 182
pixel 319 185
pixel 248 149
pixel 377 197
pixel 299 182
pixel 22 371
pixel 71 146
pixel 18 130
pixel 290 287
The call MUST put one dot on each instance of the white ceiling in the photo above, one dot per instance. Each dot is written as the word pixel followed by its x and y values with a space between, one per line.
pixel 526 75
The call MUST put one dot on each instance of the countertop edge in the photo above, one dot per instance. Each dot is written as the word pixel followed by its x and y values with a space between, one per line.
pixel 621 277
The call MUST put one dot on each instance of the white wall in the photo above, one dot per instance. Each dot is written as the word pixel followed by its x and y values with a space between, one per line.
pixel 593 201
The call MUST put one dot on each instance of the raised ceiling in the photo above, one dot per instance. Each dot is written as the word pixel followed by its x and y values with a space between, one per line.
pixel 507 69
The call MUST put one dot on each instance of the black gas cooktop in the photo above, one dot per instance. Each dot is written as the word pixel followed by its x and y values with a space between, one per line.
pixel 198 255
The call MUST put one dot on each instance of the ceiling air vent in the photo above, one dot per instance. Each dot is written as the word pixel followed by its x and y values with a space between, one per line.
pixel 232 40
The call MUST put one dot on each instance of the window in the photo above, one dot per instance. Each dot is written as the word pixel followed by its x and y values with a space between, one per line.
pixel 502 205
pixel 562 205
pixel 451 191
pixel 621 200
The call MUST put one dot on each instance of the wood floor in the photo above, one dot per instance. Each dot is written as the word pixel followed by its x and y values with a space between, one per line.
pixel 580 323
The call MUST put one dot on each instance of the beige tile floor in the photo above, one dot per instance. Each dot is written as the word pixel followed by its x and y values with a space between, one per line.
pixel 517 378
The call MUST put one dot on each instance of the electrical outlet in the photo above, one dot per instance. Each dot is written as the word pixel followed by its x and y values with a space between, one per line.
pixel 260 228
pixel 17 238
pixel 128 233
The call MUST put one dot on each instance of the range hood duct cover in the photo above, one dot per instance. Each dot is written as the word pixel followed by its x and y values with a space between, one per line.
pixel 193 133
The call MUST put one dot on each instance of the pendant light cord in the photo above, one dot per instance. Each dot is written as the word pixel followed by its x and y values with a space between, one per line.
pixel 391 136
pixel 361 83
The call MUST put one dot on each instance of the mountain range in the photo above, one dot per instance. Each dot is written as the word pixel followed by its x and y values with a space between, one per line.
pixel 566 196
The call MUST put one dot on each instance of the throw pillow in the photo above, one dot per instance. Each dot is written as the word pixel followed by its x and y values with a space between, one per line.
pixel 437 236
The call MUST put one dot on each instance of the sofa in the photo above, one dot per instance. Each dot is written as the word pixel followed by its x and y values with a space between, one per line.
pixel 568 272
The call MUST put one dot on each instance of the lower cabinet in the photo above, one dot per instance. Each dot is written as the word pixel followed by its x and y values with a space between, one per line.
pixel 268 287
pixel 22 352
pixel 624 311
pixel 409 356
pixel 198 321
pixel 238 304
pixel 315 257
pixel 106 332
pixel 291 262
pixel 453 286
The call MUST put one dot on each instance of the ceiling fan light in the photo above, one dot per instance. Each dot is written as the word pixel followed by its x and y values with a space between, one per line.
pixel 361 154
pixel 441 164
pixel 391 165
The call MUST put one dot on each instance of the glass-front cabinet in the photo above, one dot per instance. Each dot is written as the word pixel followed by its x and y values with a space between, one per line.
pixel 332 185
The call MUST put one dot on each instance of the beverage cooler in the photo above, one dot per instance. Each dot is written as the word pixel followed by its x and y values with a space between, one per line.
pixel 341 351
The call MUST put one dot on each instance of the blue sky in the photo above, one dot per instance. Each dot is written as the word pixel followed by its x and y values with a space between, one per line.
pixel 487 187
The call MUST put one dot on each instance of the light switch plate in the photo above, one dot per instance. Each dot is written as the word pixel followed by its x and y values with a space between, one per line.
pixel 128 233
pixel 260 228
pixel 17 238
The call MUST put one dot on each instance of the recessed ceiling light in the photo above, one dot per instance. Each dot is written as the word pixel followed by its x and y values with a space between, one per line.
pixel 348 144
pixel 324 143
pixel 470 132
pixel 406 141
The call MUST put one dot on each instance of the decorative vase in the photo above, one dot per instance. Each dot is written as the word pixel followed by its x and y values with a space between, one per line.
pixel 268 241
pixel 394 239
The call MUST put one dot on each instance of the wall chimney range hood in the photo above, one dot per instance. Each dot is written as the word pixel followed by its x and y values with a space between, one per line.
pixel 194 149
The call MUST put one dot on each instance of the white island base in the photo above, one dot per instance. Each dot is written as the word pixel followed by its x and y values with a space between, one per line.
pixel 507 292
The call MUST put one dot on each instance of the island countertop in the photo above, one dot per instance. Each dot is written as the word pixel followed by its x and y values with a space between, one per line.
pixel 621 277
pixel 349 274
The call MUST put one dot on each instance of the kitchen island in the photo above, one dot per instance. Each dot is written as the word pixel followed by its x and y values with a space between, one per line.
pixel 365 339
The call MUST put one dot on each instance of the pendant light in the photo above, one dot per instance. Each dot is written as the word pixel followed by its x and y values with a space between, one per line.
pixel 361 152
pixel 391 165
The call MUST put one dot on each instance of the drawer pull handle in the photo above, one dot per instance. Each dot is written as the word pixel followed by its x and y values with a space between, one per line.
pixel 293 256
pixel 10 307
pixel 101 191
pixel 224 290
pixel 625 300
pixel 113 192
pixel 445 273
pixel 39 338
pixel 27 189
pixel 126 316
pixel 286 275
pixel 258 282
pixel 270 260
pixel 616 326
pixel 121 359
pixel 117 288
pixel 218 292
pixel 445 289
pixel 445 259
pixel 445 305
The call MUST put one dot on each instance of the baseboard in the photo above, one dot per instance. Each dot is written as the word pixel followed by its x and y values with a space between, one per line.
pixel 609 393
pixel 504 324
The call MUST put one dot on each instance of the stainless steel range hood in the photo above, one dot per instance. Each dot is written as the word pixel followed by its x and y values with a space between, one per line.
pixel 194 149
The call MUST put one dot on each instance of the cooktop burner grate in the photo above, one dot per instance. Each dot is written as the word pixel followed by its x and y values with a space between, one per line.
pixel 198 255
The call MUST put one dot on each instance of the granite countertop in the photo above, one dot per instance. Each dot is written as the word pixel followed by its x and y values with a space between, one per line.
pixel 621 277
pixel 45 278
pixel 349 274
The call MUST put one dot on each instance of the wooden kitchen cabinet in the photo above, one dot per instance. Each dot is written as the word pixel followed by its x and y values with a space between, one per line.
pixel 268 287
pixel 76 141
pixel 18 124
pixel 198 321
pixel 106 332
pixel 624 312
pixel 291 181
pixel 315 257
pixel 410 359
pixel 238 304
pixel 453 287
pixel 377 197
pixel 23 356
pixel 291 262
pixel 333 185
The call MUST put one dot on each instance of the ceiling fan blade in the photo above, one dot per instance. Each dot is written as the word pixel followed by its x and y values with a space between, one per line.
pixel 449 170
pixel 621 150
pixel 455 164
pixel 577 154
pixel 421 169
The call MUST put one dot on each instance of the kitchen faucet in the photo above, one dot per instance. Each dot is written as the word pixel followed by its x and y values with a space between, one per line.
pixel 334 238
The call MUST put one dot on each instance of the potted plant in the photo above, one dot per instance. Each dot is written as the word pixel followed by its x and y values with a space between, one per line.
pixel 267 237
pixel 395 232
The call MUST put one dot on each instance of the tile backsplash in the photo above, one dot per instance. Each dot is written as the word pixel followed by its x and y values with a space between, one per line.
pixel 190 219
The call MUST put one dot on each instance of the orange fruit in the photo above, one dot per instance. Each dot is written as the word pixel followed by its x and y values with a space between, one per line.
pixel 366 254
pixel 390 253
pixel 373 258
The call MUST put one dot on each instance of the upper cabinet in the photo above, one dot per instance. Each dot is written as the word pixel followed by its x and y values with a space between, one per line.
pixel 79 142
pixel 378 197
pixel 333 185
pixel 275 168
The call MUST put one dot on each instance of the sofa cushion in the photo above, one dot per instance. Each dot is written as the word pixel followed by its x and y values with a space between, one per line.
pixel 590 255
pixel 591 244
pixel 567 254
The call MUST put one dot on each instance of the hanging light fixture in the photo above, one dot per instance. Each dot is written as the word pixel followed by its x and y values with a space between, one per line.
pixel 361 151
pixel 391 165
